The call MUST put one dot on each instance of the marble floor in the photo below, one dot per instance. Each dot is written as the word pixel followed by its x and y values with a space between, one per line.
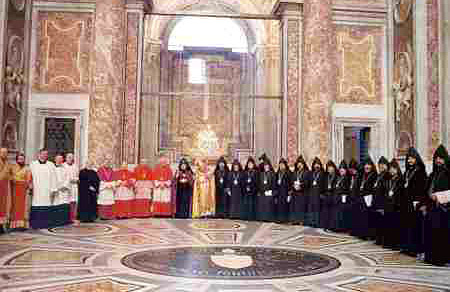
pixel 168 255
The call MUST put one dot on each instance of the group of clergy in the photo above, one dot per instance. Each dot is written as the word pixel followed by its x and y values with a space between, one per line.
pixel 407 211
pixel 41 195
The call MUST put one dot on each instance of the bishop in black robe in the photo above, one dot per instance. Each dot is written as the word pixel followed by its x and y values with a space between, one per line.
pixel 318 188
pixel 327 199
pixel 381 190
pixel 394 207
pixel 184 182
pixel 250 188
pixel 362 219
pixel 299 185
pixel 282 192
pixel 222 188
pixel 265 200
pixel 437 232
pixel 415 194
pixel 236 181
pixel 341 205
pixel 355 173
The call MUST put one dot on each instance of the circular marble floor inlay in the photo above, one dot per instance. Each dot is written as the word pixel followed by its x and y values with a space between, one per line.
pixel 82 230
pixel 236 262
pixel 217 225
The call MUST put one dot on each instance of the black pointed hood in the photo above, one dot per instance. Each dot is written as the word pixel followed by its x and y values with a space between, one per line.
pixel 184 161
pixel 301 160
pixel 251 160
pixel 266 162
pixel 283 161
pixel 412 152
pixel 221 159
pixel 316 161
pixel 383 160
pixel 394 163
pixel 331 163
pixel 236 162
pixel 353 164
pixel 264 159
pixel 369 161
pixel 343 164
pixel 441 152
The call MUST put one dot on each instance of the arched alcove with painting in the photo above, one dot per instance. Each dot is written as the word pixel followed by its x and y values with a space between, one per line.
pixel 205 92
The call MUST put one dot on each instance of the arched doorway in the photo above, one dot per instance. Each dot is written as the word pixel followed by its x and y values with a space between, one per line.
pixel 205 89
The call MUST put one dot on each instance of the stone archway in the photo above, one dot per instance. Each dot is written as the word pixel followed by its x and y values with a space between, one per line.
pixel 158 29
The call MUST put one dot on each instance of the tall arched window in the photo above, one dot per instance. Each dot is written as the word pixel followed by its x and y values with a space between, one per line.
pixel 208 32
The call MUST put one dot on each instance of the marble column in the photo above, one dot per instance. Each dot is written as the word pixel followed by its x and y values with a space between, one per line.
pixel 291 37
pixel 150 102
pixel 134 30
pixel 107 98
pixel 319 75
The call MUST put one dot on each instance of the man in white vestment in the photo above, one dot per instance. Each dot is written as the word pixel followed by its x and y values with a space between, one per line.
pixel 62 199
pixel 73 172
pixel 44 185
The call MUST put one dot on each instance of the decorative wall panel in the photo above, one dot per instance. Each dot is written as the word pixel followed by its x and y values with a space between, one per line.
pixel 360 63
pixel 64 54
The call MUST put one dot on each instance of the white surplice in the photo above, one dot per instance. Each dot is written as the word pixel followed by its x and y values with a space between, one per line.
pixel 63 186
pixel 73 172
pixel 44 183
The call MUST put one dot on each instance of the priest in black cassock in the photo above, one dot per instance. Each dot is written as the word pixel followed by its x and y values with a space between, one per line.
pixel 381 189
pixel 265 199
pixel 342 205
pixel 415 192
pixel 221 176
pixel 362 225
pixel 282 192
pixel 327 199
pixel 236 181
pixel 87 194
pixel 436 234
pixel 318 188
pixel 250 188
pixel 299 185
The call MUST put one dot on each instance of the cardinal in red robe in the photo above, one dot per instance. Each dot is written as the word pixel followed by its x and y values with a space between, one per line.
pixel 144 191
pixel 163 202
pixel 124 196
